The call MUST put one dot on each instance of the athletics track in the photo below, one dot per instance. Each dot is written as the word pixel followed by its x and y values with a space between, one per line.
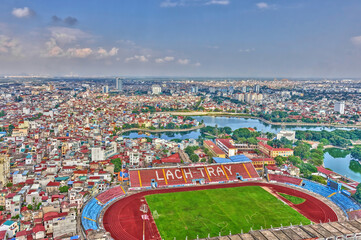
pixel 124 221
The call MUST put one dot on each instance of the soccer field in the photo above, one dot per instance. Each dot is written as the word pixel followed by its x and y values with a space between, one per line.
pixel 217 211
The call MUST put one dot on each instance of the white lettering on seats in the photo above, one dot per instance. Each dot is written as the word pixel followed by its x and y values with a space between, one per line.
pixel 187 173
pixel 169 174
pixel 211 171
pixel 229 169
pixel 219 170
pixel 158 178
pixel 178 171
pixel 201 170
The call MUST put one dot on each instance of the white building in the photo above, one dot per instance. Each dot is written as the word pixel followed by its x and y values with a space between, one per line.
pixel 134 158
pixel 99 154
pixel 105 89
pixel 119 84
pixel 290 135
pixel 340 107
pixel 156 89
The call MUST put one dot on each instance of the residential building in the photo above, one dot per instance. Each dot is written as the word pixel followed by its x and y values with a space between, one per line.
pixel 340 107
pixel 274 152
pixel 4 168
pixel 156 89
pixel 212 147
pixel 226 145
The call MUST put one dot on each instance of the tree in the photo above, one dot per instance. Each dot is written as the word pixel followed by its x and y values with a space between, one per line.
pixel 357 195
pixel 64 189
pixel 280 160
pixel 38 206
pixel 194 157
pixel 356 152
pixel 9 184
pixel 318 179
pixel 324 141
pixel 302 150
pixel 2 113
pixel 30 207
pixel 170 125
pixel 294 160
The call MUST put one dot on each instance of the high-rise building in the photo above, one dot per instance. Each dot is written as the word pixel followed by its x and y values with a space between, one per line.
pixel 156 89
pixel 194 89
pixel 256 88
pixel 105 89
pixel 244 89
pixel 119 84
pixel 340 107
pixel 4 168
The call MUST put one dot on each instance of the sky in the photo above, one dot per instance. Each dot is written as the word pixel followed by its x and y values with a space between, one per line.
pixel 200 38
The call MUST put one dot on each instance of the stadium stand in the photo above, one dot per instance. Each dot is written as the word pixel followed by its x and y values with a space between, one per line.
pixel 93 208
pixel 344 202
pixel 181 176
pixel 284 179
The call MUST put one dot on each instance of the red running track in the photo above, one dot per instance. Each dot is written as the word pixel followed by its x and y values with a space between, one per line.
pixel 124 222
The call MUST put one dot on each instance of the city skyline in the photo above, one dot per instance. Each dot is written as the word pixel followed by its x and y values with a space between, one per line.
pixel 210 38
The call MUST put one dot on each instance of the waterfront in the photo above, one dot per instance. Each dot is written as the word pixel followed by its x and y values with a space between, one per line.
pixel 340 165
pixel 240 122
pixel 232 122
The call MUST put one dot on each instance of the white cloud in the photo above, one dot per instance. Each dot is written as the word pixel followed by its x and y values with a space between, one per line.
pixel 65 35
pixel 104 53
pixel 79 52
pixel 262 5
pixel 9 46
pixel 356 40
pixel 197 64
pixel 169 3
pixel 165 59
pixel 217 2
pixel 183 61
pixel 23 12
pixel 54 50
pixel 139 58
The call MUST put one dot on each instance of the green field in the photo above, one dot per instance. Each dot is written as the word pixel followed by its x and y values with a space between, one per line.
pixel 223 210
pixel 292 199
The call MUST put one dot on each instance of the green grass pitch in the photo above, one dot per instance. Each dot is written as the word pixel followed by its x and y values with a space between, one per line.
pixel 217 211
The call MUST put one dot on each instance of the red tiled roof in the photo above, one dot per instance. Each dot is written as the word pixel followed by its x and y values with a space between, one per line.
pixel 53 184
pixel 175 158
pixel 324 170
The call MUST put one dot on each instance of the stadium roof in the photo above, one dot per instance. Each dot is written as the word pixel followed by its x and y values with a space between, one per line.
pixel 239 158
pixel 221 160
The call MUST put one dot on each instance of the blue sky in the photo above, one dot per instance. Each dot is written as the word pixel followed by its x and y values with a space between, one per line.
pixel 216 38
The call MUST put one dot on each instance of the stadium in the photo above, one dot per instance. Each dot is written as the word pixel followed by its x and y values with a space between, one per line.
pixel 220 201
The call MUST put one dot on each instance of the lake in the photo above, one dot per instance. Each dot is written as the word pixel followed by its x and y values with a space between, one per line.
pixel 337 164
pixel 232 122
pixel 340 165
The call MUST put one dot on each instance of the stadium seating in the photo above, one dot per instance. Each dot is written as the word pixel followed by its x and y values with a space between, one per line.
pixel 344 202
pixel 180 176
pixel 93 208
pixel 284 179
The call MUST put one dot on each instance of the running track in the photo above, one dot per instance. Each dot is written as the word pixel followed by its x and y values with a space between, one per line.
pixel 124 222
